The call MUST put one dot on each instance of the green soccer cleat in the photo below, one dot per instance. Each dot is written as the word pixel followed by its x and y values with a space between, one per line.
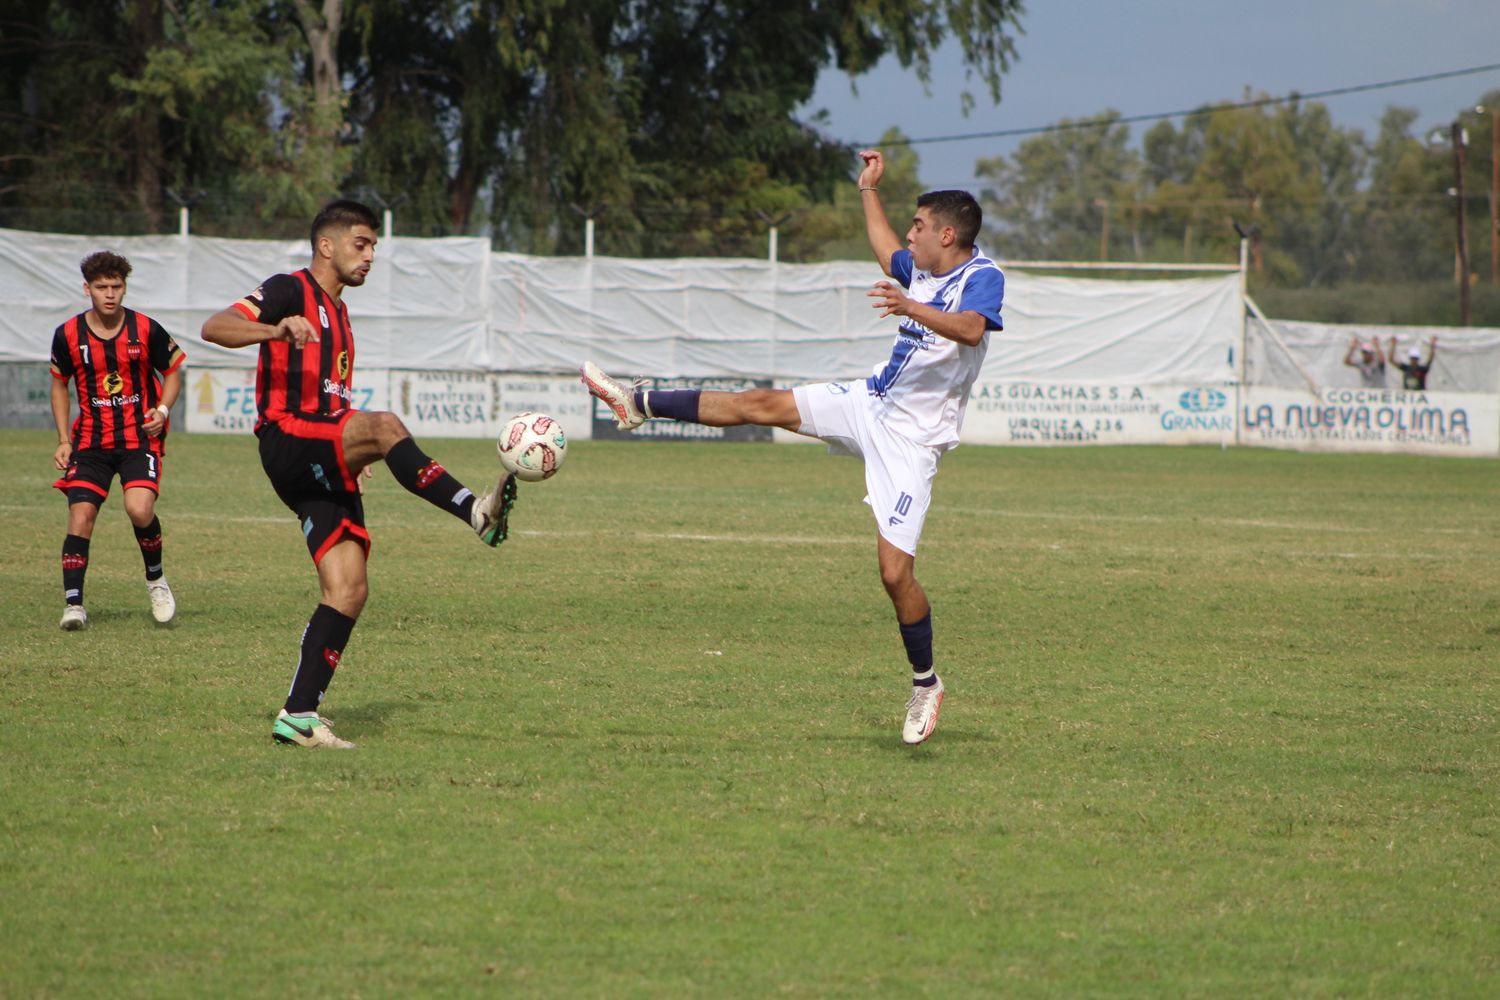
pixel 306 729
pixel 491 514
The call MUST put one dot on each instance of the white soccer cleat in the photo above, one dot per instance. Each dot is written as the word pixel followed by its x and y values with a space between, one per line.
pixel 619 398
pixel 74 619
pixel 306 730
pixel 490 516
pixel 922 713
pixel 163 604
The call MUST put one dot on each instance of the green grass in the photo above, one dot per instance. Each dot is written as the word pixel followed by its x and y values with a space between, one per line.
pixel 1219 723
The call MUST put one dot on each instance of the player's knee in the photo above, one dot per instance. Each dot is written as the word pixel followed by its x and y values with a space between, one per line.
pixel 347 597
pixel 389 429
pixel 140 512
pixel 897 576
pixel 81 518
pixel 761 405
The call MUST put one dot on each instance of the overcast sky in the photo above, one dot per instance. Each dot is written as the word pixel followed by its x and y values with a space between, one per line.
pixel 1079 57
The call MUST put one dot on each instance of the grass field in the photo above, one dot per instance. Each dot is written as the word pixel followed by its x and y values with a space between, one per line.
pixel 1219 724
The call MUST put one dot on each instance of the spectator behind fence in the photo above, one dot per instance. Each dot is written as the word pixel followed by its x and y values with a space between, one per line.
pixel 1365 355
pixel 1414 372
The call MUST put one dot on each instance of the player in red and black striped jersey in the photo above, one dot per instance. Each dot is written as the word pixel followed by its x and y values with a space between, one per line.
pixel 315 448
pixel 127 372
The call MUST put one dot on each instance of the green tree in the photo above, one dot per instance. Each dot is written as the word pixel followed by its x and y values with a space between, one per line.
pixel 1406 224
pixel 835 230
pixel 1058 196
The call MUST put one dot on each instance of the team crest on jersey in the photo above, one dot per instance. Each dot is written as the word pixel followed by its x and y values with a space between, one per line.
pixel 133 352
pixel 113 383
pixel 341 364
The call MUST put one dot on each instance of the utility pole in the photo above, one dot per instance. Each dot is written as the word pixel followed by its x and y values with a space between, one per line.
pixel 1463 239
pixel 773 242
pixel 1103 205
pixel 1494 191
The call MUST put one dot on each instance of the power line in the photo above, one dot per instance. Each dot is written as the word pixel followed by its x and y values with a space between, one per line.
pixel 1160 115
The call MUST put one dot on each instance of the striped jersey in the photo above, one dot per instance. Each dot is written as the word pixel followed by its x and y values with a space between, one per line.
pixel 925 383
pixel 118 379
pixel 316 378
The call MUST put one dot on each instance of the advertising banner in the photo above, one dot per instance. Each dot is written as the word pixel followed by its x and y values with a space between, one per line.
pixel 1390 420
pixel 564 398
pixel 476 404
pixel 446 404
pixel 1049 413
pixel 222 400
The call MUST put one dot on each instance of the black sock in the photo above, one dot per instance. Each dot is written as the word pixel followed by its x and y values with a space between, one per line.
pixel 75 563
pixel 918 640
pixel 669 404
pixel 323 643
pixel 428 480
pixel 149 539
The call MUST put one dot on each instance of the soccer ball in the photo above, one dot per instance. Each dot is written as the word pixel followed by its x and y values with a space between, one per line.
pixel 533 446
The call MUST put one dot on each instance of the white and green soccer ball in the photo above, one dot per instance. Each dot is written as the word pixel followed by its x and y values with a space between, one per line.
pixel 533 446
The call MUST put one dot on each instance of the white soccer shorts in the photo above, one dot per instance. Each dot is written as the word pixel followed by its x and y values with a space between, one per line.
pixel 898 471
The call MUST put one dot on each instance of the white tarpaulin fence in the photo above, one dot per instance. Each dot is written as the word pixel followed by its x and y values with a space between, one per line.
pixel 454 337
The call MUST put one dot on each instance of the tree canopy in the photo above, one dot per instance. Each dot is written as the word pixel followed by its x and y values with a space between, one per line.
pixel 672 121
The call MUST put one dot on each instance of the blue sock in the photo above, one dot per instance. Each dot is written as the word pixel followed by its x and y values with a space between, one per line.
pixel 669 404
pixel 918 639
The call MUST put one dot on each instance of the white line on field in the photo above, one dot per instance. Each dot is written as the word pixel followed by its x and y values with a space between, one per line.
pixel 1234 522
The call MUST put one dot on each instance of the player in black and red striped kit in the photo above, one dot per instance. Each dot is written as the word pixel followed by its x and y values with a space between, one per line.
pixel 315 448
pixel 127 372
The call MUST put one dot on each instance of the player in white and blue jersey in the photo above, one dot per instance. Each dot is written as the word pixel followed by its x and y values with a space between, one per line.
pixel 901 418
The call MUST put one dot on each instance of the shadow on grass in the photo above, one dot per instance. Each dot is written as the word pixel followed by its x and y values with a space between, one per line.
pixel 370 716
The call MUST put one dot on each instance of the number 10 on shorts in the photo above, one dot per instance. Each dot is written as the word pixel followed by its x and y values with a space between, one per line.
pixel 903 507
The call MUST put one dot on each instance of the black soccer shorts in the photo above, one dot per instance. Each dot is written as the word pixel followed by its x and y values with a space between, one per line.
pixel 304 458
pixel 91 471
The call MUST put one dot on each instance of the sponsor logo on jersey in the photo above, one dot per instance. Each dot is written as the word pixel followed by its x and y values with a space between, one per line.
pixel 129 400
pixel 341 364
pixel 335 389
pixel 113 383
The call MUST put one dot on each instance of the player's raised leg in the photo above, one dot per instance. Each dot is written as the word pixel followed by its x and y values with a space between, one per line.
pixel 370 437
pixel 634 405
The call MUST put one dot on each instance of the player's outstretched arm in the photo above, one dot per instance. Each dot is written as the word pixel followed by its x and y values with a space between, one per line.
pixel 883 239
pixel 230 328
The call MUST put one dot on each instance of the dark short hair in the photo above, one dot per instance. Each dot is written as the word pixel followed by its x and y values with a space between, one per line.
pixel 342 214
pixel 957 209
pixel 104 264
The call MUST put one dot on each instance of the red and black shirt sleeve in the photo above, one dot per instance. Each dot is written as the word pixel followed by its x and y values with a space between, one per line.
pixel 166 357
pixel 278 297
pixel 62 354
